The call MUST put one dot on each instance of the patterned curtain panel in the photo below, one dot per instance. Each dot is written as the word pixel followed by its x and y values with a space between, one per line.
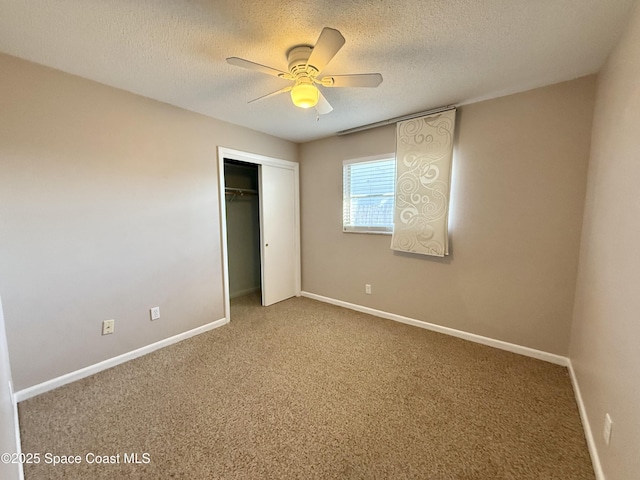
pixel 424 150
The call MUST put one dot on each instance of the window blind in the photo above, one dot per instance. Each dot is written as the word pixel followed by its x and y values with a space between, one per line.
pixel 368 196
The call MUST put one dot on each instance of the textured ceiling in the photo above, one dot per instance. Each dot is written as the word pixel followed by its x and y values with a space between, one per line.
pixel 430 53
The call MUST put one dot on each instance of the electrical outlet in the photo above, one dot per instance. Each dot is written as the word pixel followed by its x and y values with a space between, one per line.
pixel 367 289
pixel 608 424
pixel 108 327
pixel 155 313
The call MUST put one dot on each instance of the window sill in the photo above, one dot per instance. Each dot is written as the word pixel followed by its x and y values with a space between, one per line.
pixel 368 232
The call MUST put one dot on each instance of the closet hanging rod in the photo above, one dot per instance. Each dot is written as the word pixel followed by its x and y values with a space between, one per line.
pixel 240 191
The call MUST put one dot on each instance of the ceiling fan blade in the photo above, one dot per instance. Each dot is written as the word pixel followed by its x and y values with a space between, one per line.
pixel 358 80
pixel 241 62
pixel 323 107
pixel 272 94
pixel 328 44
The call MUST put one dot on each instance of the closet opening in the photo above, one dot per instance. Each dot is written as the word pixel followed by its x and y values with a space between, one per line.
pixel 242 204
pixel 259 226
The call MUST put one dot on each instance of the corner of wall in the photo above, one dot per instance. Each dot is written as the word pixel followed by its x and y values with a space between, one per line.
pixel 9 427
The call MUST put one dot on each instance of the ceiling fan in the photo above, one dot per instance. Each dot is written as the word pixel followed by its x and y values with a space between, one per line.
pixel 305 64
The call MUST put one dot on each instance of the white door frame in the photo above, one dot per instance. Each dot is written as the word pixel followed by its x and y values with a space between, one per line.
pixel 255 159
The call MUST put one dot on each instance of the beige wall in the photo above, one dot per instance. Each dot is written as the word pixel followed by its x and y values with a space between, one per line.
pixel 605 341
pixel 519 177
pixel 108 206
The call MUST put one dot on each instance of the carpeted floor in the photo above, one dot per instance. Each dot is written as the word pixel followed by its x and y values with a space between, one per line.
pixel 306 390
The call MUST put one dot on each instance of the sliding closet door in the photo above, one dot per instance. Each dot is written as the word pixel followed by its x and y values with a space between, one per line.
pixel 278 233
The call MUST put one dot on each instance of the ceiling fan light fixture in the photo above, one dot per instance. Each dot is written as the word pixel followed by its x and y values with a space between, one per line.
pixel 305 94
pixel 305 64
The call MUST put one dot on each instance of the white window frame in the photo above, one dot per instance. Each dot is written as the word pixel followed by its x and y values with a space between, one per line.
pixel 346 197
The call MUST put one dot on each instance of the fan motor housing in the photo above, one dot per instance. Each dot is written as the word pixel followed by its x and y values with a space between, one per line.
pixel 297 57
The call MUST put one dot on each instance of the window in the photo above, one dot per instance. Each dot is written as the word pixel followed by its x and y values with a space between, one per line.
pixel 368 192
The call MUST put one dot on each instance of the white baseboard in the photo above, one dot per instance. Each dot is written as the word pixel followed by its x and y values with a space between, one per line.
pixel 43 387
pixel 510 347
pixel 593 451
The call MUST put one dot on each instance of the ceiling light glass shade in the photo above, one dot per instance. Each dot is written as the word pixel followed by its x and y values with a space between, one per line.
pixel 305 95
